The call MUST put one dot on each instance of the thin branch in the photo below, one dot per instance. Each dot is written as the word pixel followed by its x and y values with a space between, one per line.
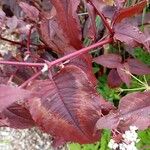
pixel 15 63
pixel 30 79
pixel 103 18
pixel 68 57
pixel 21 44
pixel 80 52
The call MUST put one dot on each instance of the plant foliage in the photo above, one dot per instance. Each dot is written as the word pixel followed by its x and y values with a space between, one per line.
pixel 49 81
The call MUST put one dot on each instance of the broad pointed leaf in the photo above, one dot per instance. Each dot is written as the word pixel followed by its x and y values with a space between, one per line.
pixel 67 106
pixel 134 110
pixel 109 60
pixel 137 67
pixel 130 11
pixel 130 36
pixel 17 116
pixel 123 70
pixel 114 79
pixel 68 20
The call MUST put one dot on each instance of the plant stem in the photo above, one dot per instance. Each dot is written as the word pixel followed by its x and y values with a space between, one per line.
pixel 80 52
pixel 55 62
pixel 103 18
pixel 13 42
pixel 30 79
pixel 68 57
pixel 15 63
pixel 21 44
pixel 134 89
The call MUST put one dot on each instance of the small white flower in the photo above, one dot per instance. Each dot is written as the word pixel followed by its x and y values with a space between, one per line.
pixel 112 144
pixel 122 146
pixel 131 146
pixel 133 128
pixel 130 136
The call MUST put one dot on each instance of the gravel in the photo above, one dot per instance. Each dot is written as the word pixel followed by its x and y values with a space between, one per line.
pixel 27 139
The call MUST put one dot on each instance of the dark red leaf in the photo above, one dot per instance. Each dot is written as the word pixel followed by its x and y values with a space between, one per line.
pixel 18 116
pixel 53 35
pixel 108 60
pixel 68 106
pixel 30 11
pixel 68 20
pixel 85 63
pixel 114 79
pixel 123 70
pixel 130 11
pixel 9 95
pixel 137 67
pixel 109 121
pixel 134 110
pixel 130 36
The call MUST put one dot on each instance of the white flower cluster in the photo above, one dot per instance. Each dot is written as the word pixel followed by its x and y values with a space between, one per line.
pixel 130 138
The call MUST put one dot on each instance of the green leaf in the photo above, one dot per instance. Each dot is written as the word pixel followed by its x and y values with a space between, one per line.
pixel 105 140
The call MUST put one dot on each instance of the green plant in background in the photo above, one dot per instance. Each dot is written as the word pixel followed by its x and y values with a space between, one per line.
pixel 144 143
pixel 107 92
pixel 142 55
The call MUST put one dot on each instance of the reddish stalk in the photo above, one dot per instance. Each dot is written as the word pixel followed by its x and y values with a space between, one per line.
pixel 68 57
pixel 80 52
pixel 103 18
pixel 30 79
pixel 15 63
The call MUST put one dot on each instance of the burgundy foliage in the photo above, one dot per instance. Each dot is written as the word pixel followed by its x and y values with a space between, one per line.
pixel 114 79
pixel 109 60
pixel 9 95
pixel 49 82
pixel 70 111
pixel 123 70
pixel 132 110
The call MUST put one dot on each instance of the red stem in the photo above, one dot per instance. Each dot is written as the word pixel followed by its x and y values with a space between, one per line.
pixel 55 62
pixel 80 52
pixel 69 57
pixel 30 79
pixel 21 63
pixel 103 18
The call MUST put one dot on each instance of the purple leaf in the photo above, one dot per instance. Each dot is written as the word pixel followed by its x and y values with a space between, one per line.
pixel 18 116
pixel 109 60
pixel 68 106
pixel 9 95
pixel 69 23
pixel 137 67
pixel 2 19
pixel 130 36
pixel 114 79
pixel 130 11
pixel 122 70
pixel 134 110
